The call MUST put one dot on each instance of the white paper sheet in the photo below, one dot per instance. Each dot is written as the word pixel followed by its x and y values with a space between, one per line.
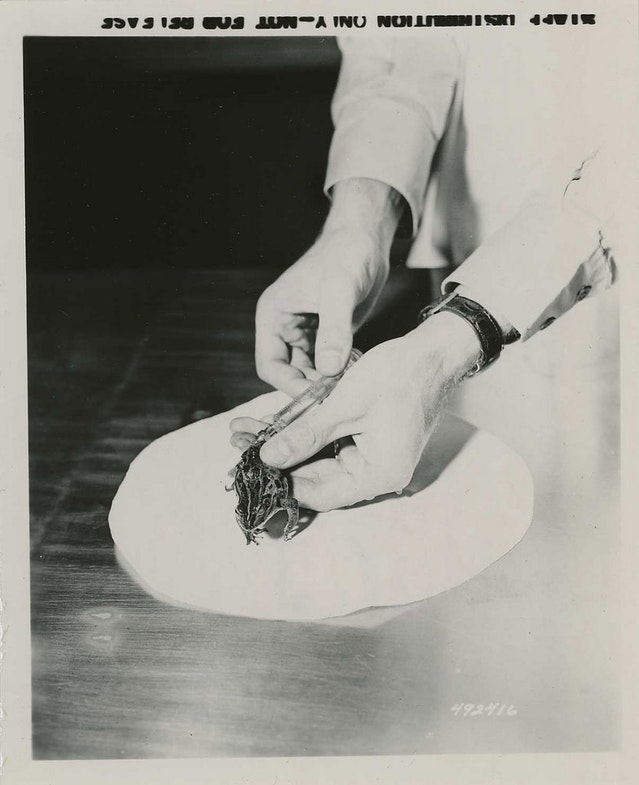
pixel 172 520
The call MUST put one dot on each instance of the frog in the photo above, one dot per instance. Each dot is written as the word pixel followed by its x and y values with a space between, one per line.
pixel 261 492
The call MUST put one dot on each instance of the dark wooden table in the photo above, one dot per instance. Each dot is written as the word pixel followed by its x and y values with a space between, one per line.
pixel 117 359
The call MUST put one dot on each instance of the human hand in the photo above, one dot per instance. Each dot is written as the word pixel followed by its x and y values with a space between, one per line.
pixel 305 320
pixel 389 403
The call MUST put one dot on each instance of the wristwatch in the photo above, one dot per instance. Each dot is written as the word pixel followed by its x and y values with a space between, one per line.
pixel 488 331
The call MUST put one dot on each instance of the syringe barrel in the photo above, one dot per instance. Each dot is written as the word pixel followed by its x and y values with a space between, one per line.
pixel 315 393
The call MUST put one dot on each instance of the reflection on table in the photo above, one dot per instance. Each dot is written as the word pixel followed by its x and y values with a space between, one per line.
pixel 521 658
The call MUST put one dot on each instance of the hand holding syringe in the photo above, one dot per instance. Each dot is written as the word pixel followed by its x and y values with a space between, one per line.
pixel 313 395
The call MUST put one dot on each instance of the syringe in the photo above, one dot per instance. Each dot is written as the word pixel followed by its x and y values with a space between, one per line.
pixel 312 395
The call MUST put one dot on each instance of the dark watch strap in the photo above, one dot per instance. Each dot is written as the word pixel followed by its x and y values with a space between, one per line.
pixel 488 331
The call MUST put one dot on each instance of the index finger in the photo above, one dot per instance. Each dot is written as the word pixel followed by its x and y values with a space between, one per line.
pixel 273 365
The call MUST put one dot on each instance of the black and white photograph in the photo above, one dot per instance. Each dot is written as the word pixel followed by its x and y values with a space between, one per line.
pixel 313 392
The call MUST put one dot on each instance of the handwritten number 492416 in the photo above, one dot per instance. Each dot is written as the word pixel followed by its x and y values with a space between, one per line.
pixel 483 710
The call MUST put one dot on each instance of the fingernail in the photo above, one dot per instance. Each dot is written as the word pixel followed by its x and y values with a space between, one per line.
pixel 275 453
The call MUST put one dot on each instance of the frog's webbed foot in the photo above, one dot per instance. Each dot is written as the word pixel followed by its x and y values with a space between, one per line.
pixel 293 514
pixel 250 537
pixel 253 535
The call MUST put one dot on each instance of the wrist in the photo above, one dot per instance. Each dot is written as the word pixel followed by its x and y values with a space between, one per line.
pixel 366 207
pixel 449 340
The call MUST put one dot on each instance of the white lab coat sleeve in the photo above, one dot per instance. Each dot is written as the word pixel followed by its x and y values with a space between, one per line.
pixel 390 110
pixel 576 229
pixel 564 244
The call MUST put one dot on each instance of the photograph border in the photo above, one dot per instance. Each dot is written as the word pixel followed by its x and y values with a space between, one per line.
pixel 32 18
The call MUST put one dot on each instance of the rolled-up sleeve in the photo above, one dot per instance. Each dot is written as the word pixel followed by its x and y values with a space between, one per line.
pixel 390 110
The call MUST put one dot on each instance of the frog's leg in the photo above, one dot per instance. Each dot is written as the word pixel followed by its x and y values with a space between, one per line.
pixel 293 514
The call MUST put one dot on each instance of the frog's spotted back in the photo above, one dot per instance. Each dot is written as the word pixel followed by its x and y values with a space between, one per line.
pixel 261 491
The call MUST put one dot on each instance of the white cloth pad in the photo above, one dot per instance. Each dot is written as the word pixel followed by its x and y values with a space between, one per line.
pixel 173 522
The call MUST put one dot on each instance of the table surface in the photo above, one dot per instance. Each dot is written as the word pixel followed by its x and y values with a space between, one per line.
pixel 116 360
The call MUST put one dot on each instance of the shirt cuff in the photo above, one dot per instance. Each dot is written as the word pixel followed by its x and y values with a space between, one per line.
pixel 386 142
pixel 536 267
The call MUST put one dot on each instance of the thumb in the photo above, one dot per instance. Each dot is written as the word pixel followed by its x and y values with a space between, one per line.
pixel 335 331
pixel 303 438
